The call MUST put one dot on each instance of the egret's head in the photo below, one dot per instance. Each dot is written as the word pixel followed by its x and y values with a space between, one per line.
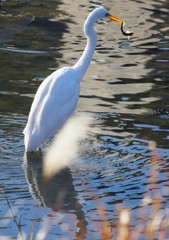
pixel 99 13
pixel 102 12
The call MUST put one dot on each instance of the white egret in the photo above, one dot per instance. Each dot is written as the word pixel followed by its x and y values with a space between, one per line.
pixel 57 97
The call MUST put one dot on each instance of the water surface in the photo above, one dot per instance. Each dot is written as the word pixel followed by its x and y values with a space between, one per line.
pixel 125 82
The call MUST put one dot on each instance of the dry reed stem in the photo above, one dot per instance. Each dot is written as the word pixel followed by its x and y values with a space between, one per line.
pixel 18 225
pixel 106 232
pixel 124 225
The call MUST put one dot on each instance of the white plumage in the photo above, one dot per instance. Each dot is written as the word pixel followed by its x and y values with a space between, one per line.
pixel 57 97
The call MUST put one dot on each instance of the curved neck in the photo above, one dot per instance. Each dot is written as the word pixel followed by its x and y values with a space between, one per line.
pixel 84 61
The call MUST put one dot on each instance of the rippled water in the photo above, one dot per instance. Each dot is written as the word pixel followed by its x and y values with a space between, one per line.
pixel 126 81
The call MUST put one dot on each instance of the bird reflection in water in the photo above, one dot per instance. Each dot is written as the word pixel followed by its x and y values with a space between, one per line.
pixel 57 192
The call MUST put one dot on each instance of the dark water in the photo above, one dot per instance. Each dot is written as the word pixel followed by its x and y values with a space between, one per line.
pixel 126 81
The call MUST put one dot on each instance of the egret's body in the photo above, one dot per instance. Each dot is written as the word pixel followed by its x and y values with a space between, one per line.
pixel 49 110
pixel 57 97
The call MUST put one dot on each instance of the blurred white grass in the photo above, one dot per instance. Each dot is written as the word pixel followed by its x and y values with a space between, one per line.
pixel 65 146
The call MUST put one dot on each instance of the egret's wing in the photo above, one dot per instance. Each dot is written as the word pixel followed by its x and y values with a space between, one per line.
pixel 54 102
pixel 59 103
pixel 40 95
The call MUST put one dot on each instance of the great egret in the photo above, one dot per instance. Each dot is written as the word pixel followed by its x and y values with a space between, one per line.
pixel 57 97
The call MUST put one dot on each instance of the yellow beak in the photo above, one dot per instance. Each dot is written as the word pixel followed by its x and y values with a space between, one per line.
pixel 116 19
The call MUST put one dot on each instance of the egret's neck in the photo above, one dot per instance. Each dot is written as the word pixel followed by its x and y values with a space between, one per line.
pixel 84 61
